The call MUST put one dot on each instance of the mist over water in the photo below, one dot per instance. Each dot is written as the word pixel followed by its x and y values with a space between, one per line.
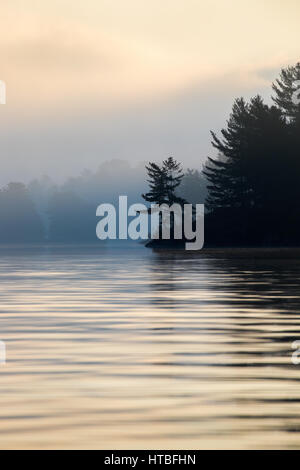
pixel 127 348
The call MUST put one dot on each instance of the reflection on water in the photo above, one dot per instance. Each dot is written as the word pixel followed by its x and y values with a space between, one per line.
pixel 134 349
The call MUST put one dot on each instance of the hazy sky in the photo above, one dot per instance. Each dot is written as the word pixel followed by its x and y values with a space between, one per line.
pixel 91 80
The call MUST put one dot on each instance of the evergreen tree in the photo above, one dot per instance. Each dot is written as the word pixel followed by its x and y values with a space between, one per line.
pixel 286 89
pixel 287 98
pixel 157 180
pixel 227 174
pixel 253 160
pixel 252 185
pixel 163 182
pixel 174 175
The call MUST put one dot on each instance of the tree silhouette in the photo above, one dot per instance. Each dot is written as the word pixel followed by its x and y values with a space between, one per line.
pixel 253 158
pixel 252 187
pixel 227 176
pixel 286 89
pixel 157 180
pixel 164 181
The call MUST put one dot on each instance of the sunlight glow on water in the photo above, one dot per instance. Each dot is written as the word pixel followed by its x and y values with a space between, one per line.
pixel 119 349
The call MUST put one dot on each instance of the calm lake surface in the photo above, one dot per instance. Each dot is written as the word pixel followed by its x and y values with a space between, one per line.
pixel 126 349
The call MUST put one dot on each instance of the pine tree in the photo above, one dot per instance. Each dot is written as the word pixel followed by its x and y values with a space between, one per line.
pixel 285 88
pixel 287 98
pixel 254 158
pixel 174 176
pixel 157 180
pixel 227 174
pixel 164 181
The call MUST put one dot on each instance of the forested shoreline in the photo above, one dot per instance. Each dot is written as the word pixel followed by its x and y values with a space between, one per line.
pixel 250 187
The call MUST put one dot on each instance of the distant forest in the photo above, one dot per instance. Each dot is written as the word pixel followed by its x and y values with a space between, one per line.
pixel 43 211
pixel 251 188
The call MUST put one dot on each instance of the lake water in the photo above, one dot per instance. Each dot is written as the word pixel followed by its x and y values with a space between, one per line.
pixel 126 349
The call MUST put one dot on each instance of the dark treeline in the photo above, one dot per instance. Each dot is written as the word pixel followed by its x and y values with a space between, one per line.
pixel 251 188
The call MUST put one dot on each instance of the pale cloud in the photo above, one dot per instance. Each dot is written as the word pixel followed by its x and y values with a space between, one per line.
pixel 88 80
pixel 65 53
